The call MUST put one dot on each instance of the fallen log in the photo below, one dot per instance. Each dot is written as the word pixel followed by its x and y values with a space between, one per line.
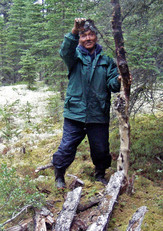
pixel 21 226
pixel 41 218
pixel 66 216
pixel 108 201
pixel 137 219
pixel 39 223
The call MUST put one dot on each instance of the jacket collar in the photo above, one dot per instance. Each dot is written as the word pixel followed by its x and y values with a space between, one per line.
pixel 86 52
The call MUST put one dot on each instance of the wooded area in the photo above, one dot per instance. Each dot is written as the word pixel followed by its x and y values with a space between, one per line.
pixel 31 35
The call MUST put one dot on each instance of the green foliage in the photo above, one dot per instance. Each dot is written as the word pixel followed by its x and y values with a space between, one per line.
pixel 6 114
pixel 16 192
pixel 55 108
pixel 146 145
pixel 31 35
pixel 28 70
pixel 26 112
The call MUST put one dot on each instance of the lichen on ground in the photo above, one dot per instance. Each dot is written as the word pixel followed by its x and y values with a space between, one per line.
pixel 35 145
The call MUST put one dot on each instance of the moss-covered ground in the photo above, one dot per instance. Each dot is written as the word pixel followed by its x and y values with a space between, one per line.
pixel 145 163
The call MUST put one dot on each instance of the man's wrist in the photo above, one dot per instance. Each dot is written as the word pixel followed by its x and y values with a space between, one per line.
pixel 74 31
pixel 119 78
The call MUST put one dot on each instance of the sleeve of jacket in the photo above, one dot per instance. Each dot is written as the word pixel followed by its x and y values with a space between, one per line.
pixel 68 49
pixel 112 77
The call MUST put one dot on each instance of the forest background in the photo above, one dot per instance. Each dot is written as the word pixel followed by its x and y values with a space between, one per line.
pixel 31 33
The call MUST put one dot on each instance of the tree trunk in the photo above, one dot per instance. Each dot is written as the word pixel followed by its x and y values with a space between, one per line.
pixel 122 102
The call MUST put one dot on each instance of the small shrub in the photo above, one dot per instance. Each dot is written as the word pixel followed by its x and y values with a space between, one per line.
pixel 16 193
pixel 146 145
pixel 6 114
pixel 55 108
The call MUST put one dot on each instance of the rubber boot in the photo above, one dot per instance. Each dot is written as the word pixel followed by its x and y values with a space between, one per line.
pixel 100 176
pixel 59 177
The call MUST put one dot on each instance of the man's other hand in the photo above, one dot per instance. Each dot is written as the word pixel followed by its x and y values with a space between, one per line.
pixel 78 25
pixel 130 79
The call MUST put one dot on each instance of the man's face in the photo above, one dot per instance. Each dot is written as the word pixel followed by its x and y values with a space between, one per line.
pixel 88 40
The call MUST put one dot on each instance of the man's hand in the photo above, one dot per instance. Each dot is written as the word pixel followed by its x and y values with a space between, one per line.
pixel 130 79
pixel 78 25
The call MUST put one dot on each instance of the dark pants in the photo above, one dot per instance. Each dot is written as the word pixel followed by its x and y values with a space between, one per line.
pixel 73 133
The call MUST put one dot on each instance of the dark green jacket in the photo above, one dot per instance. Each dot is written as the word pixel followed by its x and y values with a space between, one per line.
pixel 90 83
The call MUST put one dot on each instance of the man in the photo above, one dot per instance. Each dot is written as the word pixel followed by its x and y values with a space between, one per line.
pixel 92 78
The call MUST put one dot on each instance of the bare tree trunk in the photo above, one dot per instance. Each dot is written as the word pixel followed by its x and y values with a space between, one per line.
pixel 122 102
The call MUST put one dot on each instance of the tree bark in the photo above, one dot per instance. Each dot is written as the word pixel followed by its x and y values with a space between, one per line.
pixel 23 225
pixel 137 219
pixel 122 102
pixel 108 201
pixel 68 212
pixel 41 218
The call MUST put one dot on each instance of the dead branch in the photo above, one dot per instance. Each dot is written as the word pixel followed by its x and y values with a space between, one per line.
pixel 76 182
pixel 158 158
pixel 137 219
pixel 44 167
pixel 122 102
pixel 88 205
pixel 25 208
pixel 130 185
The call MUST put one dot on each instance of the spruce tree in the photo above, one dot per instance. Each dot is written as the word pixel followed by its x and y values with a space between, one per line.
pixel 16 36
pixel 5 68
pixel 60 18
pixel 4 9
pixel 35 23
pixel 28 68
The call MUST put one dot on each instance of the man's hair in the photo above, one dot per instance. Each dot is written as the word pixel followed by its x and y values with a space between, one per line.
pixel 89 25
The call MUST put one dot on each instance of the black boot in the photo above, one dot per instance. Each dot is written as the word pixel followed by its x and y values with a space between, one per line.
pixel 59 177
pixel 100 175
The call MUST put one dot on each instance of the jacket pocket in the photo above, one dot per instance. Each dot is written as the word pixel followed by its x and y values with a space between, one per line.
pixel 74 104
pixel 100 105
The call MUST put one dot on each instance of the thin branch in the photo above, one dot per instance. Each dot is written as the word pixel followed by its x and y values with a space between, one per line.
pixel 105 41
pixel 44 167
pixel 158 158
pixel 76 179
pixel 18 214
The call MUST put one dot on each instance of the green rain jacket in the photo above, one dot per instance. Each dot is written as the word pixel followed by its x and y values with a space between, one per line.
pixel 90 83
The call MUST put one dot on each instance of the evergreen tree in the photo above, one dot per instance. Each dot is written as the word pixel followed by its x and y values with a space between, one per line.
pixel 16 36
pixel 4 8
pixel 141 23
pixel 5 68
pixel 2 47
pixel 28 69
pixel 60 18
pixel 35 23
pixel 40 28
pixel 142 26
